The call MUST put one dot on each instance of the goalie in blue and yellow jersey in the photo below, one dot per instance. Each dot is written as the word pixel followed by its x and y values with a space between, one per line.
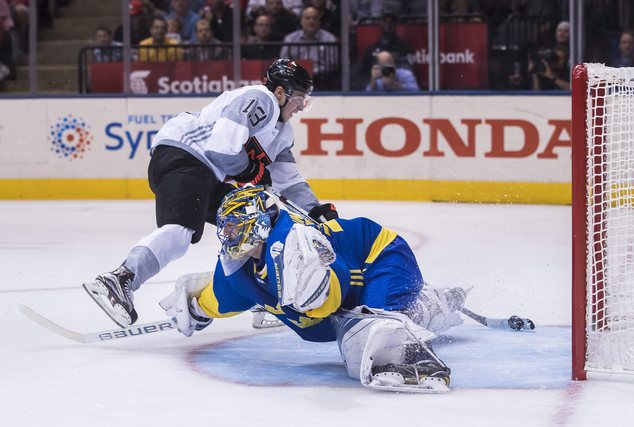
pixel 352 280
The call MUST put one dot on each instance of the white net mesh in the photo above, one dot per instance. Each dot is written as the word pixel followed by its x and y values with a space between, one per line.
pixel 610 246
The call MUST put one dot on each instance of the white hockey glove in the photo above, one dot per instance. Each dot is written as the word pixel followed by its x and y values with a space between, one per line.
pixel 182 304
pixel 306 276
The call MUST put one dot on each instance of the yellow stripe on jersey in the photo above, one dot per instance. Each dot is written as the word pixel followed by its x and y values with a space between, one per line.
pixel 209 303
pixel 276 310
pixel 384 238
pixel 356 278
pixel 305 322
pixel 332 303
pixel 333 226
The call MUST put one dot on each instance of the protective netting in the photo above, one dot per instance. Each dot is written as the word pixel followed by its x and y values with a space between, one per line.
pixel 610 214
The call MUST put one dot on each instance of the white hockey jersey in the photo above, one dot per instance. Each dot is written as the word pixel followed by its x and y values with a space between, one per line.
pixel 239 124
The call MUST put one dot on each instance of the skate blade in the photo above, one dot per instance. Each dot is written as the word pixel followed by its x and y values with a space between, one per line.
pixel 394 382
pixel 115 312
pixel 260 321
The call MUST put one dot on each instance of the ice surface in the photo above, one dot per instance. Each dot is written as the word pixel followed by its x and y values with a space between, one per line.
pixel 516 256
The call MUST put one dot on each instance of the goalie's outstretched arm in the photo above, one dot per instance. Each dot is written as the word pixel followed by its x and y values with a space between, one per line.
pixel 195 301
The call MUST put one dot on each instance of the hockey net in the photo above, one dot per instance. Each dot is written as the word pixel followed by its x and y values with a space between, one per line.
pixel 603 220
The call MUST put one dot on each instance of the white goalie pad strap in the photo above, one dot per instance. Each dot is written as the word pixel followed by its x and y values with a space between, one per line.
pixel 420 332
pixel 306 276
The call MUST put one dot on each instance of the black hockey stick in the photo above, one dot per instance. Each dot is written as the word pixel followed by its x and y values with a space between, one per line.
pixel 514 323
pixel 99 336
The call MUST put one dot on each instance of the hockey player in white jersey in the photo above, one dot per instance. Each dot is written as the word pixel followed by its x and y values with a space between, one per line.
pixel 244 136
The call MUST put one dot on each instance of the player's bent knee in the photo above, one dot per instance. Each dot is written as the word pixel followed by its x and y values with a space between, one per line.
pixel 168 242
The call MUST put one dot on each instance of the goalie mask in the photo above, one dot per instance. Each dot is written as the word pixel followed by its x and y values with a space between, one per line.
pixel 244 221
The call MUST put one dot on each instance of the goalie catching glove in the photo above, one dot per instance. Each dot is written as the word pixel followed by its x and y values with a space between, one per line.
pixel 182 304
pixel 306 275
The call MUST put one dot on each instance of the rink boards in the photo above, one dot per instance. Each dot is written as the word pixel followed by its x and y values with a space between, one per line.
pixel 512 149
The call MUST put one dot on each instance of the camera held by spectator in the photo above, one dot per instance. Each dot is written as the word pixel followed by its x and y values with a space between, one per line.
pixel 388 70
pixel 549 67
pixel 385 76
pixel 537 58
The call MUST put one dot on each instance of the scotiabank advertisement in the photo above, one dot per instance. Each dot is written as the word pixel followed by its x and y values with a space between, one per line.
pixel 177 78
pixel 415 141
pixel 463 64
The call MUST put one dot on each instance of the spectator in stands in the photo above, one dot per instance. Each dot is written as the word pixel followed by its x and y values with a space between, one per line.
pixel 257 7
pixel 186 17
pixel 549 68
pixel 626 50
pixel 258 46
pixel 7 66
pixel 329 17
pixel 174 28
pixel 221 17
pixel 139 23
pixel 283 22
pixel 385 76
pixel 388 41
pixel 211 49
pixel 107 50
pixel 364 9
pixel 20 13
pixel 159 54
pixel 325 59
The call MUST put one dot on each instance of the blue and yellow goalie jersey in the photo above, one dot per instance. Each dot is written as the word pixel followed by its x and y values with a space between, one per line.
pixel 374 267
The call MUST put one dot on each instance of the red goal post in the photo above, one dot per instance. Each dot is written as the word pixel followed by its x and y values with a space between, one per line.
pixel 602 221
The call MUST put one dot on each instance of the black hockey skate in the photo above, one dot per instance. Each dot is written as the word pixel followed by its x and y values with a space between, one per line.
pixel 421 371
pixel 111 291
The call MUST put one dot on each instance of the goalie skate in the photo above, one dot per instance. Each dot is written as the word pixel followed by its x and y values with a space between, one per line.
pixel 262 319
pixel 111 291
pixel 421 377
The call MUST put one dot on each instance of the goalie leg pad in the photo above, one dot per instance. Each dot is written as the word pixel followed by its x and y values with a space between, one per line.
pixel 387 352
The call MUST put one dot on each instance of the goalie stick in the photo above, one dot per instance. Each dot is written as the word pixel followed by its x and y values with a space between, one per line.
pixel 514 323
pixel 99 336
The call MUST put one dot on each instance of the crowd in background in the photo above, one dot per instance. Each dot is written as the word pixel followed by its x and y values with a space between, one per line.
pixel 527 46
pixel 14 29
